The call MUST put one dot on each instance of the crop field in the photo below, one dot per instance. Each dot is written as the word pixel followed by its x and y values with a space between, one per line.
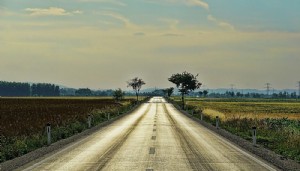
pixel 254 110
pixel 23 120
pixel 277 121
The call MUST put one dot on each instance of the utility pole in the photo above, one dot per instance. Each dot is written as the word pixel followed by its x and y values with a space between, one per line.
pixel 268 87
pixel 232 87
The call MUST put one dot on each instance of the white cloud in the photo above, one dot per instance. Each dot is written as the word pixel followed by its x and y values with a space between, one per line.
pixel 42 49
pixel 126 21
pixel 54 11
pixel 171 22
pixel 199 3
pixel 211 18
pixel 115 2
pixel 77 12
pixel 220 23
pixel 47 11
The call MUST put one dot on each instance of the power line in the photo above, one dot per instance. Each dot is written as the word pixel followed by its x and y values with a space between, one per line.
pixel 268 87
pixel 232 87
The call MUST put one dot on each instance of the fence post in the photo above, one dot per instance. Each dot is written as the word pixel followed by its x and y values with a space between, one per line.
pixel 201 115
pixel 108 116
pixel 192 112
pixel 89 121
pixel 254 135
pixel 48 130
pixel 217 122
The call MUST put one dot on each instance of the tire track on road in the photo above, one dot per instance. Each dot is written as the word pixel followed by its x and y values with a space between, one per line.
pixel 194 156
pixel 113 149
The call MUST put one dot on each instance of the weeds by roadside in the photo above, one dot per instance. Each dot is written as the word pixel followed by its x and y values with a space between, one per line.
pixel 278 123
pixel 19 142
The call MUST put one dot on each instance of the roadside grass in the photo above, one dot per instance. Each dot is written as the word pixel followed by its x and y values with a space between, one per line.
pixel 277 121
pixel 23 120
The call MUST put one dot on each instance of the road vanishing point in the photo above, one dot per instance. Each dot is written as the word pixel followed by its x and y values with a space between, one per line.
pixel 154 137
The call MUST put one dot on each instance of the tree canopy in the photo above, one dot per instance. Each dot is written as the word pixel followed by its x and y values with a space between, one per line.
pixel 185 82
pixel 118 94
pixel 136 84
pixel 168 91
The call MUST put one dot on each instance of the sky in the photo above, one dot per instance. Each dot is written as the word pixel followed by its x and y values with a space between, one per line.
pixel 101 44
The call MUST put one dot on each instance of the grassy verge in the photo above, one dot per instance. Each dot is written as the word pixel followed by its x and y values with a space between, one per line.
pixel 277 122
pixel 15 144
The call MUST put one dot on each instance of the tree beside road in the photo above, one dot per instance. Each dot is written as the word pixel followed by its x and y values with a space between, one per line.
pixel 136 84
pixel 185 82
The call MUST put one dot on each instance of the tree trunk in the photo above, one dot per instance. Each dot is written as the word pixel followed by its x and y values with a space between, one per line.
pixel 182 99
pixel 137 96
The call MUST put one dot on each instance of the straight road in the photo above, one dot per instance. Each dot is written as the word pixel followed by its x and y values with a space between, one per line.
pixel 154 137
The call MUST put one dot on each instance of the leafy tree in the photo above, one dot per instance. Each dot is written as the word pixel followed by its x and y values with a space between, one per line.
pixel 165 91
pixel 170 91
pixel 205 93
pixel 136 84
pixel 14 89
pixel 118 94
pixel 239 94
pixel 185 82
pixel 294 95
pixel 200 93
pixel 83 92
pixel 43 89
pixel 229 94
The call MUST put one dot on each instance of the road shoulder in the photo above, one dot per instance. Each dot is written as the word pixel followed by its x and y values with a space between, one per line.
pixel 268 155
pixel 41 152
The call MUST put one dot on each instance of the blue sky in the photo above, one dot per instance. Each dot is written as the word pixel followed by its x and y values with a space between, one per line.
pixel 103 43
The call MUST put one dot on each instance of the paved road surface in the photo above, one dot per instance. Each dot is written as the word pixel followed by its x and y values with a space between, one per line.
pixel 154 137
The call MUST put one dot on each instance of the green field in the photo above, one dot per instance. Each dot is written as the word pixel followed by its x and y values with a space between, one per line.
pixel 277 121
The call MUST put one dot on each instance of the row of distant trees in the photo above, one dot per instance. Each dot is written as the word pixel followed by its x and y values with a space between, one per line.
pixel 14 89
pixel 26 89
pixel 231 94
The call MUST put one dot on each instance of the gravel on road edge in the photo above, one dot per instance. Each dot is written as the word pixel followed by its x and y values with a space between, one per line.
pixel 277 160
pixel 38 153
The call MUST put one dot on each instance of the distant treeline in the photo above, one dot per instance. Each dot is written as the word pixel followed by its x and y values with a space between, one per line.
pixel 85 92
pixel 231 94
pixel 109 92
pixel 25 89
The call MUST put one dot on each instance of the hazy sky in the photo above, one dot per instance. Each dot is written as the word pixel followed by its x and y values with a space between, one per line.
pixel 104 43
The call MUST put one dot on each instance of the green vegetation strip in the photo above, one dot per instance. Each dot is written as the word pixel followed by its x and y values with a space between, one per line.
pixel 277 122
pixel 22 127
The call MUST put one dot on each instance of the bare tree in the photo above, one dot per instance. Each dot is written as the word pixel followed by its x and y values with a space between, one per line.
pixel 136 84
